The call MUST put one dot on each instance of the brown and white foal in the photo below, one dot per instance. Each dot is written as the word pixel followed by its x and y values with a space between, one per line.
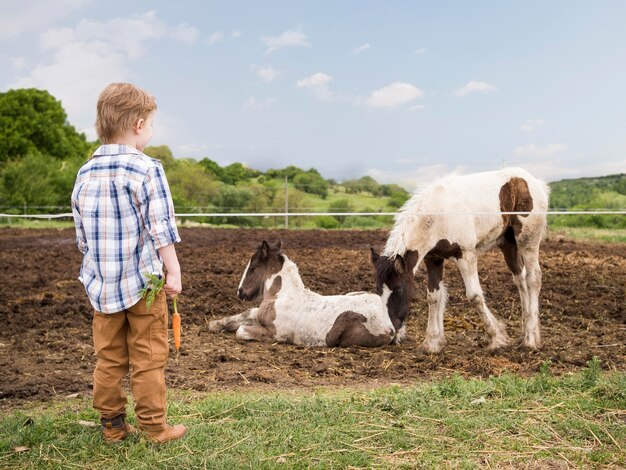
pixel 457 218
pixel 291 313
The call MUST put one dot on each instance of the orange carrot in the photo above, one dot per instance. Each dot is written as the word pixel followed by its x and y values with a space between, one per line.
pixel 176 326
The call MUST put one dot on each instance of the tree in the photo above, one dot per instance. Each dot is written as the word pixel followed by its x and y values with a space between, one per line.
pixel 31 121
pixel 389 190
pixel 341 205
pixel 260 201
pixel 191 184
pixel 232 199
pixel 289 172
pixel 297 203
pixel 213 168
pixel 162 153
pixel 37 180
pixel 620 185
pixel 236 172
pixel 311 182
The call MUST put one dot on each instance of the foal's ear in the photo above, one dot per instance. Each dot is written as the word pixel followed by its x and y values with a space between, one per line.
pixel 277 245
pixel 264 250
pixel 410 258
pixel 374 256
pixel 399 264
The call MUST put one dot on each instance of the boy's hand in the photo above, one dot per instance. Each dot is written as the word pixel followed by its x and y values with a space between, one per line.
pixel 173 284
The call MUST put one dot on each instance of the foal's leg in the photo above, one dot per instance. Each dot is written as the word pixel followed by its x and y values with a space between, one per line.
pixel 469 270
pixel 437 297
pixel 515 263
pixel 254 333
pixel 531 336
pixel 232 322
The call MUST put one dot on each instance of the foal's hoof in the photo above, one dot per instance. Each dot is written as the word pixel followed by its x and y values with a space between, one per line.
pixel 529 345
pixel 432 346
pixel 499 342
pixel 214 326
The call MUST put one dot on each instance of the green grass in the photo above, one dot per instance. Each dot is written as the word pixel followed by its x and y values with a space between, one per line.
pixel 359 201
pixel 36 223
pixel 616 235
pixel 576 421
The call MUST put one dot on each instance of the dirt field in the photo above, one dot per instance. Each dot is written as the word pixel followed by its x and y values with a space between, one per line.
pixel 46 350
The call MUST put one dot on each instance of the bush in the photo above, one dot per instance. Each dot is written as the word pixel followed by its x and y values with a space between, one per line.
pixel 326 221
pixel 341 205
pixel 311 182
pixel 191 185
pixel 37 180
pixel 361 221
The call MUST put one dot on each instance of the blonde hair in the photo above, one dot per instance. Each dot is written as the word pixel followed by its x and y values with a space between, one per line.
pixel 120 106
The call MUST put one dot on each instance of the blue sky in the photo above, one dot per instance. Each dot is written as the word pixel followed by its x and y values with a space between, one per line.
pixel 404 91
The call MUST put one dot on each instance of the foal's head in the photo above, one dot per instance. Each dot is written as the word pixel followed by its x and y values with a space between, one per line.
pixel 396 274
pixel 265 262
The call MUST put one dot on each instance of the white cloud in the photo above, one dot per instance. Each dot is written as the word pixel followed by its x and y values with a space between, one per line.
pixel 217 36
pixel 317 82
pixel 532 124
pixel 185 33
pixel 287 39
pixel 24 16
pixel 475 87
pixel 91 66
pixel 18 63
pixel 192 150
pixel 82 60
pixel 256 104
pixel 268 73
pixel 235 34
pixel 130 37
pixel 393 95
pixel 362 48
pixel 421 50
pixel 416 107
pixel 541 151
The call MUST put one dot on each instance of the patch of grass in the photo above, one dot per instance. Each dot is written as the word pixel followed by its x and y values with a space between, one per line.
pixel 35 223
pixel 577 420
pixel 616 235
pixel 359 201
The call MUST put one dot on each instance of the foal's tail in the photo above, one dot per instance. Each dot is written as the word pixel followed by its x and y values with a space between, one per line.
pixel 542 203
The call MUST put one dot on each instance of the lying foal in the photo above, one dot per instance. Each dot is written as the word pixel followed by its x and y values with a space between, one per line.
pixel 291 313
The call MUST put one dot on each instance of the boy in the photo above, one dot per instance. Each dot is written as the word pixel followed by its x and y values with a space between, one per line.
pixel 125 228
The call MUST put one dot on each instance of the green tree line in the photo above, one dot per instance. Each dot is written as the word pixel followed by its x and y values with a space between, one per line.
pixel 41 152
pixel 605 192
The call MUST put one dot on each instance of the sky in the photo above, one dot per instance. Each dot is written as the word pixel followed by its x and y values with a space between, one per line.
pixel 403 91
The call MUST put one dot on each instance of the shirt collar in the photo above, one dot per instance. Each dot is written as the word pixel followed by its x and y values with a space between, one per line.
pixel 116 149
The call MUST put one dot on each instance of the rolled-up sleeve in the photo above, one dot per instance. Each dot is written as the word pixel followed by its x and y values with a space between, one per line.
pixel 158 208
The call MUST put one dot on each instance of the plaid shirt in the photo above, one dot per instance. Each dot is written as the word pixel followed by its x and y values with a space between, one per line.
pixel 123 213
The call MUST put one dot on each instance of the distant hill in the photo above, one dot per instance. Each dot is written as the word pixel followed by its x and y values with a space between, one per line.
pixel 595 192
pixel 602 192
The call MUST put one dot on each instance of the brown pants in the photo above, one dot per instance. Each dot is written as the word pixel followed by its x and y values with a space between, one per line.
pixel 138 337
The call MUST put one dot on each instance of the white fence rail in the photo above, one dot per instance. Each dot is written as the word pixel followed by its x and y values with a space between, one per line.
pixel 314 214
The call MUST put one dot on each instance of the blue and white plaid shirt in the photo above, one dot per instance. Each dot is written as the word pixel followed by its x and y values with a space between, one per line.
pixel 123 213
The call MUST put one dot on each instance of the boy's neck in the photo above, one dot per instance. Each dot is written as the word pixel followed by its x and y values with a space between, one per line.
pixel 128 140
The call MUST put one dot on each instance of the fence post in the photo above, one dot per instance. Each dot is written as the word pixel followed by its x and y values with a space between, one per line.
pixel 286 203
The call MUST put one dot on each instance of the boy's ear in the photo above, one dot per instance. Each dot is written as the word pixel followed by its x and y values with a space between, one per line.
pixel 139 125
